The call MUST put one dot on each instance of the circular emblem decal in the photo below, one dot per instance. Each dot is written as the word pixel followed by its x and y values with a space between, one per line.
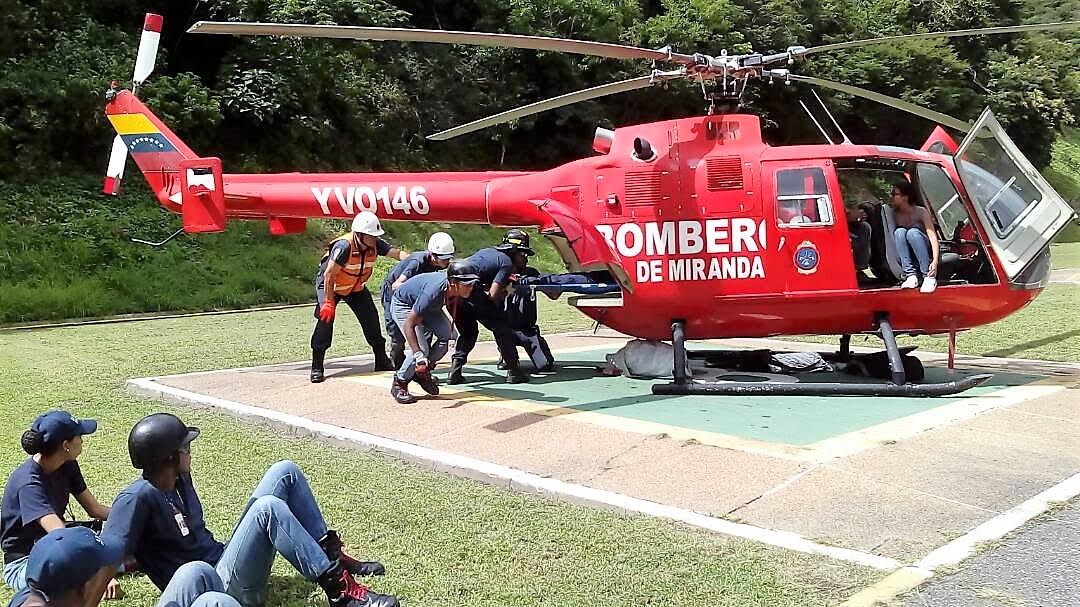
pixel 806 257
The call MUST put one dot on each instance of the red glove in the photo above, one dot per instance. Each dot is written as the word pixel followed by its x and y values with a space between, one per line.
pixel 326 311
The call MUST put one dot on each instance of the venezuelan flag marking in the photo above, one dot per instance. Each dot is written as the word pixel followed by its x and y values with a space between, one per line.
pixel 132 124
pixel 147 142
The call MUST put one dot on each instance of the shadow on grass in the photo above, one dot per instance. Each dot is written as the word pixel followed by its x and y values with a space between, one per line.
pixel 1035 343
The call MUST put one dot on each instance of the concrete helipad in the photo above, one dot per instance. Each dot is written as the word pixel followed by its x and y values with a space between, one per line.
pixel 881 481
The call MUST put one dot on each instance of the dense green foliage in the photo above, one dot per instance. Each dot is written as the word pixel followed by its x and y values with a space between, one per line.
pixel 322 104
pixel 275 105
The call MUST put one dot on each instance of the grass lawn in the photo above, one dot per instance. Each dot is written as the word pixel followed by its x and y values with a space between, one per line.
pixel 1047 329
pixel 1065 255
pixel 445 541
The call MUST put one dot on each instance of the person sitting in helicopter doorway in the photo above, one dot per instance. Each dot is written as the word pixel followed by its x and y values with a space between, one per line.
pixel 493 265
pixel 440 250
pixel 417 309
pixel 915 234
pixel 159 519
pixel 860 232
pixel 343 274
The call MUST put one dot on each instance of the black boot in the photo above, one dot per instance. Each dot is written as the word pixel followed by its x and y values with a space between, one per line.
pixel 455 376
pixel 382 362
pixel 400 391
pixel 317 374
pixel 427 382
pixel 397 354
pixel 331 545
pixel 515 375
pixel 343 591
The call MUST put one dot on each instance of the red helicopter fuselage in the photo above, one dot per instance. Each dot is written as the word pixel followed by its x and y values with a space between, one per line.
pixel 713 227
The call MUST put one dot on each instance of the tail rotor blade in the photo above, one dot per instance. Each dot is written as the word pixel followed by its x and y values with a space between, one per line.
pixel 899 104
pixel 115 173
pixel 557 102
pixel 148 47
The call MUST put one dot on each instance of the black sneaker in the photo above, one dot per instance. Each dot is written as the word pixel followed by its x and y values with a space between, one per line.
pixel 331 545
pixel 427 382
pixel 383 363
pixel 317 376
pixel 400 392
pixel 343 591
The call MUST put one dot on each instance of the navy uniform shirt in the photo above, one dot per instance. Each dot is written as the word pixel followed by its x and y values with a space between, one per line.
pixel 425 294
pixel 419 262
pixel 144 519
pixel 29 495
pixel 493 266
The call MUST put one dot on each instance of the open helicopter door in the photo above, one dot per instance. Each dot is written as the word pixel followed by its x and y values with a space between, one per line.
pixel 588 247
pixel 1021 213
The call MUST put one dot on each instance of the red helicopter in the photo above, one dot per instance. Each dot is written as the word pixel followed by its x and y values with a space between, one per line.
pixel 705 230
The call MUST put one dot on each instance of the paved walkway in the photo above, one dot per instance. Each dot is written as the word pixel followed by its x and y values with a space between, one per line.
pixel 1068 276
pixel 890 480
pixel 1036 566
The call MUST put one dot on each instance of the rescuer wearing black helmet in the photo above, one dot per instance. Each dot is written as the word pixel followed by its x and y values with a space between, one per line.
pixel 417 310
pixel 493 265
pixel 159 520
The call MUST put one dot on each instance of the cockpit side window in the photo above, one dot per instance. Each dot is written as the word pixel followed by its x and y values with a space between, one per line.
pixel 802 198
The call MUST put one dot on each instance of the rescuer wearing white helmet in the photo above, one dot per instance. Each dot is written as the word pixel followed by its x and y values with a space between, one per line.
pixel 439 253
pixel 344 272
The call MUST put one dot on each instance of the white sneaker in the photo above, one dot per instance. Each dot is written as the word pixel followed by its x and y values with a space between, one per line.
pixel 910 282
pixel 928 285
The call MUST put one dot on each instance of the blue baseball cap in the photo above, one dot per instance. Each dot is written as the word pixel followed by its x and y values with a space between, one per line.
pixel 58 426
pixel 66 559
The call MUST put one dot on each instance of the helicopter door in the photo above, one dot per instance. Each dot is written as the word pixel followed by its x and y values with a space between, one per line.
pixel 1020 211
pixel 812 246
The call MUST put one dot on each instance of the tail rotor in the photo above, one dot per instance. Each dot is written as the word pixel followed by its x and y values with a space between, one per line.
pixel 144 66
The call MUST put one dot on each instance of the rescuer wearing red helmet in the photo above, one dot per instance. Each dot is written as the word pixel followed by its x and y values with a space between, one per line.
pixel 346 267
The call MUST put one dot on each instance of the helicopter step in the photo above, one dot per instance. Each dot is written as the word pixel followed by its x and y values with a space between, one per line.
pixel 895 361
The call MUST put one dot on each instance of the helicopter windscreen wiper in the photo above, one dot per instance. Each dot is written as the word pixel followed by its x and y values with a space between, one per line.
pixel 548 104
pixel 899 104
pixel 397 34
pixel 798 51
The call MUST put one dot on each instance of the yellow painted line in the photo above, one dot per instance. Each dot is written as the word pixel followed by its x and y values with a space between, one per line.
pixel 132 124
pixel 603 420
pixel 888 587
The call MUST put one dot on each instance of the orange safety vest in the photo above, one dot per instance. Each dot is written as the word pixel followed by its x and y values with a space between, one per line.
pixel 357 269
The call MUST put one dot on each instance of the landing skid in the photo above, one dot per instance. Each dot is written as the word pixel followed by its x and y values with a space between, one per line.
pixel 683 383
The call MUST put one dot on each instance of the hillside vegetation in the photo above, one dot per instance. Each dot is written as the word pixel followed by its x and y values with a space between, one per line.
pixel 265 104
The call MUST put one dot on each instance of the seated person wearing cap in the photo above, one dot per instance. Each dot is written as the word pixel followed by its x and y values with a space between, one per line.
pixel 37 492
pixel 70 567
pixel 493 265
pixel 417 309
pixel 159 519
pixel 440 250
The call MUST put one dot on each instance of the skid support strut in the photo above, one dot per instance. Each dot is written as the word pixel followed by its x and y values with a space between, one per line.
pixel 896 364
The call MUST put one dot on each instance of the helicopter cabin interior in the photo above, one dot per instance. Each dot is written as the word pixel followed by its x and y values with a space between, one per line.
pixel 865 184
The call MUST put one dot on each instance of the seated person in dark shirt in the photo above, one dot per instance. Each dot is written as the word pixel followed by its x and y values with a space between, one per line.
pixel 69 568
pixel 859 231
pixel 159 519
pixel 37 492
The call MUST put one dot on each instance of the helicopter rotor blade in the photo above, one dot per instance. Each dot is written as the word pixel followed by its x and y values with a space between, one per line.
pixel 555 102
pixel 396 34
pixel 899 104
pixel 1007 29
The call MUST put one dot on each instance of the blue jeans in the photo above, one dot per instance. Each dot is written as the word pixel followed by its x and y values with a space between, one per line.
pixel 15 574
pixel 433 335
pixel 908 240
pixel 196 584
pixel 281 517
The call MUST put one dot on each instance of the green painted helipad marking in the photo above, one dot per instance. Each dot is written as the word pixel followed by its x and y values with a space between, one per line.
pixel 792 420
